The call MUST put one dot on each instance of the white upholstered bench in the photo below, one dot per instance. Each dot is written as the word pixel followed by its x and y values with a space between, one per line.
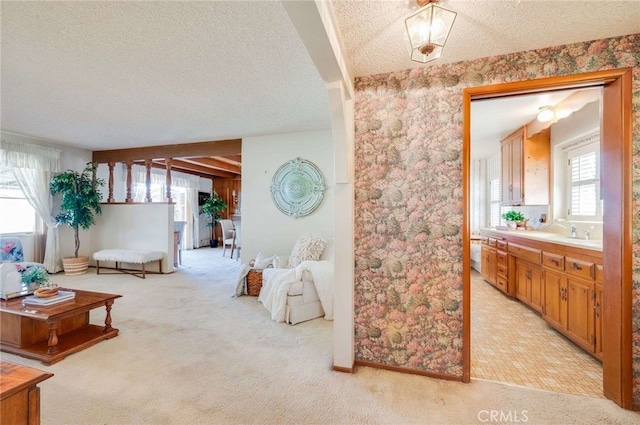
pixel 132 256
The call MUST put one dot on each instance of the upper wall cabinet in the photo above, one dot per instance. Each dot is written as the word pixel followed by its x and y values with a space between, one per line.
pixel 525 168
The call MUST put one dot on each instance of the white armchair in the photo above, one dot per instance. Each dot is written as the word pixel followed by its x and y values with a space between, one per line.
pixel 302 289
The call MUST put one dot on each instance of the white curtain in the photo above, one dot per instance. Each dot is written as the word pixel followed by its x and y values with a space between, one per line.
pixel 190 183
pixel 33 166
pixel 183 181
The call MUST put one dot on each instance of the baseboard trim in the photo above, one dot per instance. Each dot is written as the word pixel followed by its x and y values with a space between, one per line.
pixel 400 369
pixel 343 369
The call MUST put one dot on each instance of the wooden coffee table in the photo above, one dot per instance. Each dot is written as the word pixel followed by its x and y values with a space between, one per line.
pixel 51 333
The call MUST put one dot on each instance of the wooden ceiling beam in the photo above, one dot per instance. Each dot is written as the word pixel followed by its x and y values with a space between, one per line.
pixel 162 166
pixel 185 150
pixel 178 165
pixel 234 158
pixel 216 163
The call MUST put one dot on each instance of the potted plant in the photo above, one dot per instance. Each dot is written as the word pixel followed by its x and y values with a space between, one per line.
pixel 514 219
pixel 80 203
pixel 33 277
pixel 212 207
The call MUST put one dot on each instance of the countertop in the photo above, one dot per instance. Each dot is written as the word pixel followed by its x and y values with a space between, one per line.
pixel 595 245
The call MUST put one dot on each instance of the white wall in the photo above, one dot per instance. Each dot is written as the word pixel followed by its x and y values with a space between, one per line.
pixel 264 227
pixel 581 122
pixel 136 226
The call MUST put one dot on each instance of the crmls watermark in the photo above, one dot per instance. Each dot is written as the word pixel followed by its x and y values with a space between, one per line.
pixel 503 416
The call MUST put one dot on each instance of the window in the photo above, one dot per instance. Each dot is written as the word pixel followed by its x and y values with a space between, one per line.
pixel 494 190
pixel 16 214
pixel 494 198
pixel 584 183
pixel 159 194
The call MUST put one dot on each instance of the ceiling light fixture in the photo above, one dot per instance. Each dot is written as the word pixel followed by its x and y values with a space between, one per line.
pixel 546 114
pixel 563 112
pixel 427 30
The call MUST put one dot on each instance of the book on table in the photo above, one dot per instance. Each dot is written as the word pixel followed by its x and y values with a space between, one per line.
pixel 60 297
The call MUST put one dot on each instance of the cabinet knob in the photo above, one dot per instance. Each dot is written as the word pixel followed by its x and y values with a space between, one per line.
pixel 576 266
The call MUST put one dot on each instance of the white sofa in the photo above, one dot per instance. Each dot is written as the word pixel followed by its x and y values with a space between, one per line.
pixel 12 266
pixel 302 299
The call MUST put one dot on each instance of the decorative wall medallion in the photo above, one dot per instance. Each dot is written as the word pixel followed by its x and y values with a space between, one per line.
pixel 297 187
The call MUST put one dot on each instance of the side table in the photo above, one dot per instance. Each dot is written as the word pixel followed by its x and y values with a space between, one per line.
pixel 20 394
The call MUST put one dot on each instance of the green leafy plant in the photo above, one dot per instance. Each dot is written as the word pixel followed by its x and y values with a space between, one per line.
pixel 80 199
pixel 212 207
pixel 35 275
pixel 513 216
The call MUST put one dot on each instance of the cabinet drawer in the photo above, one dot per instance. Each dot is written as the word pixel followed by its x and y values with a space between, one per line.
pixel 492 242
pixel 502 245
pixel 579 268
pixel 484 240
pixel 502 258
pixel 501 283
pixel 599 273
pixel 502 270
pixel 553 261
pixel 526 253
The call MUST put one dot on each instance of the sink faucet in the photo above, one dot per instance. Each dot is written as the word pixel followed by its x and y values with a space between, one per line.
pixel 574 234
pixel 586 235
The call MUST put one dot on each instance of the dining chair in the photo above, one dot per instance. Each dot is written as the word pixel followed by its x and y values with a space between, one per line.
pixel 227 235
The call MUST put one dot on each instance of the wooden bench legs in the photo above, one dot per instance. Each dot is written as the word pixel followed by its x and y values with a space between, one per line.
pixel 142 274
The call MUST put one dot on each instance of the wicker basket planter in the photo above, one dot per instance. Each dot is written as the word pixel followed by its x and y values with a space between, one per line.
pixel 254 282
pixel 75 266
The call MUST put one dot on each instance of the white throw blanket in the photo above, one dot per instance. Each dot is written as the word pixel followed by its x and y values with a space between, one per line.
pixel 241 285
pixel 274 291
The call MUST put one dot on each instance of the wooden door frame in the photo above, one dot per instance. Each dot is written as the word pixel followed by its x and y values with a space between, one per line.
pixel 616 146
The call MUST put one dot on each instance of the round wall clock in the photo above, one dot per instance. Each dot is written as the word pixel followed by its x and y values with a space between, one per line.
pixel 297 187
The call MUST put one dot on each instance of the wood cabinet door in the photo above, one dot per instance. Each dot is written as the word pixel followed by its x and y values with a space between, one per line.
pixel 493 266
pixel 489 264
pixel 484 255
pixel 597 308
pixel 535 287
pixel 523 282
pixel 505 173
pixel 517 190
pixel 555 308
pixel 580 317
pixel 511 151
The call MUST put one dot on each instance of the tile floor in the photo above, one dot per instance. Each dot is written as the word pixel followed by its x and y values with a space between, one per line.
pixel 511 343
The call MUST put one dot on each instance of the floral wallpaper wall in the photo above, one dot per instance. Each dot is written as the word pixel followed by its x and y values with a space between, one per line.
pixel 408 288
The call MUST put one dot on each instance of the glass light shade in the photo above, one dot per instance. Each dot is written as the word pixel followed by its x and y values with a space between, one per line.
pixel 563 112
pixel 545 114
pixel 426 32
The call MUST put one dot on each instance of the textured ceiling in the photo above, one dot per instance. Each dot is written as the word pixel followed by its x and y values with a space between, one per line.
pixel 374 39
pixel 105 75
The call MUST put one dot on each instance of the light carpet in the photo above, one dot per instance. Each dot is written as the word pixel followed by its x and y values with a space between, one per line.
pixel 188 353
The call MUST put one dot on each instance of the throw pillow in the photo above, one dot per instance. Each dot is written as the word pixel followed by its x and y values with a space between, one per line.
pixel 307 248
pixel 262 262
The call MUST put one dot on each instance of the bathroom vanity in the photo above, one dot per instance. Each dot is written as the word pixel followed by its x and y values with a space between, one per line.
pixel 559 277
